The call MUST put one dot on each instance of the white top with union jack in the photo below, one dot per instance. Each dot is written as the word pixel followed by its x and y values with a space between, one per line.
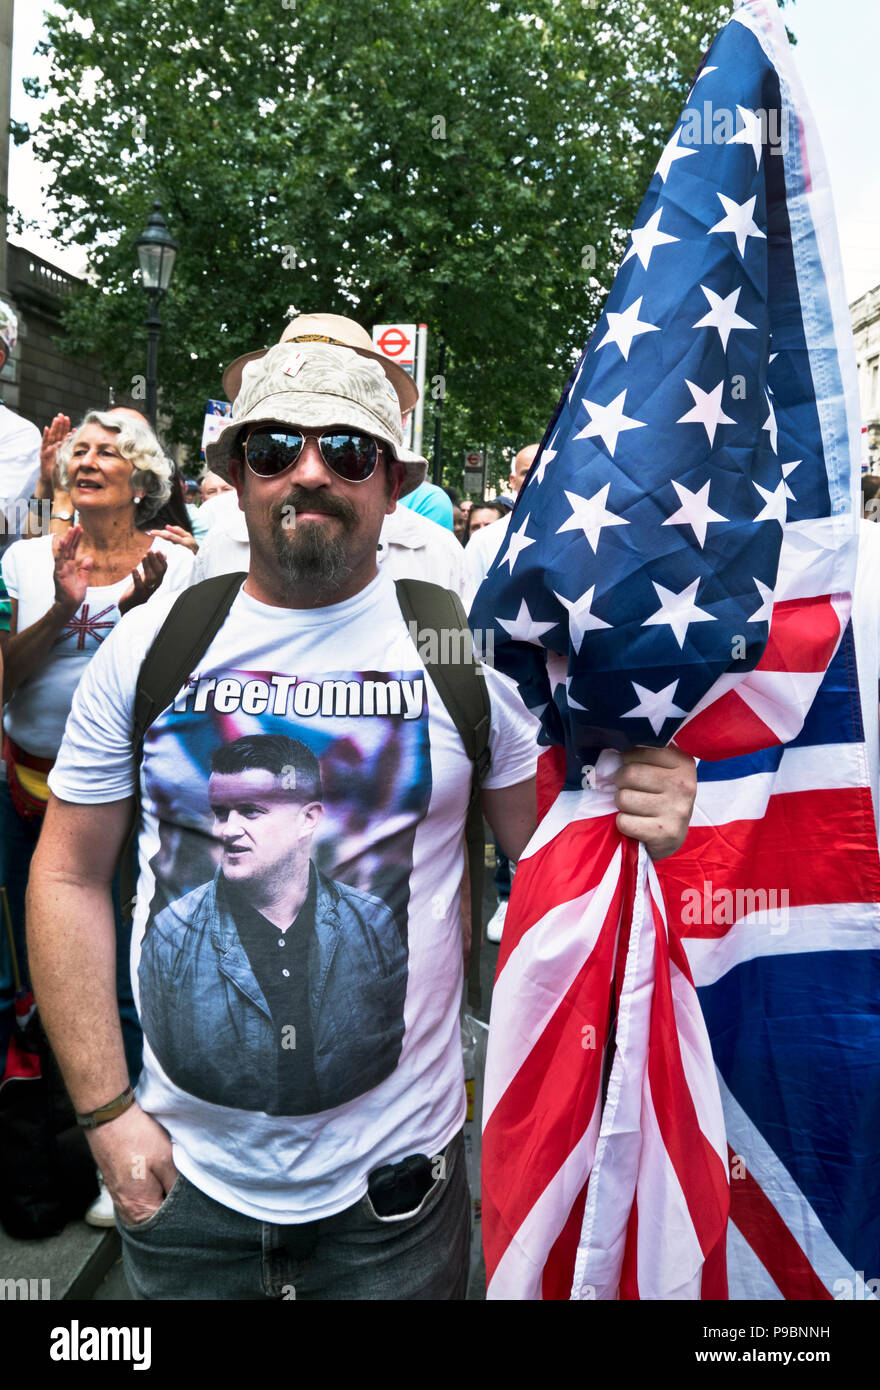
pixel 35 716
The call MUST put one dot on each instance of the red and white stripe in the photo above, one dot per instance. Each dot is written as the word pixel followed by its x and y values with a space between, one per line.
pixel 565 1177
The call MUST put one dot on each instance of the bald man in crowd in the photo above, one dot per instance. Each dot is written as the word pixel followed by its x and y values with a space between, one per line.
pixel 484 544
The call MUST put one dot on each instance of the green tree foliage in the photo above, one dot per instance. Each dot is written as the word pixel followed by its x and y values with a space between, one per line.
pixel 475 166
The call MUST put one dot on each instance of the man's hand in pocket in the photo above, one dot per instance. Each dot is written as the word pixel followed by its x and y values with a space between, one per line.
pixel 134 1154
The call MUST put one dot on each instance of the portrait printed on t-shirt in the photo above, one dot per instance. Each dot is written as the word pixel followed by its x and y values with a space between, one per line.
pixel 274 964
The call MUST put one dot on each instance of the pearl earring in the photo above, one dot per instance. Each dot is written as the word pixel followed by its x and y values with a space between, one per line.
pixel 137 501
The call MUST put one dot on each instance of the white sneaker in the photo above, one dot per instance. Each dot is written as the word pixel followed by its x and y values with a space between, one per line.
pixel 100 1213
pixel 495 924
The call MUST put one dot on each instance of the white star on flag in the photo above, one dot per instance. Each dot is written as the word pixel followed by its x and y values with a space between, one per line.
pixel 557 669
pixel 608 421
pixel 775 509
pixel 739 221
pixel 751 133
pixel 523 628
pixel 517 542
pixel 654 705
pixel 678 610
pixel 765 612
pixel 622 328
pixel 786 469
pixel 573 703
pixel 547 456
pixel 645 239
pixel 589 514
pixel 722 314
pixel 671 153
pixel 771 426
pixel 580 619
pixel 707 409
pixel 694 511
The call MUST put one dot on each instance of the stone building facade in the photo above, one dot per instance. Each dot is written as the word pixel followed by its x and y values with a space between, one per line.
pixel 865 314
pixel 43 379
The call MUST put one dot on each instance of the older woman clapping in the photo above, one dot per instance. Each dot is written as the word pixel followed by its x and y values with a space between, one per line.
pixel 68 593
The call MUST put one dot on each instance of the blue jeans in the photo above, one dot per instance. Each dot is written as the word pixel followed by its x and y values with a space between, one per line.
pixel 195 1248
pixel 18 840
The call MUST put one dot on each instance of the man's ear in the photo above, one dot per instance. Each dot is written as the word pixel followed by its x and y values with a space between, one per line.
pixel 236 477
pixel 396 473
pixel 312 815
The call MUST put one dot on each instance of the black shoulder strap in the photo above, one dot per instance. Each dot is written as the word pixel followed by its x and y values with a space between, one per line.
pixel 447 651
pixel 193 622
pixel 186 634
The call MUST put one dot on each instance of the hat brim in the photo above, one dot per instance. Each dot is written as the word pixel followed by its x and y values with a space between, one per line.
pixel 317 411
pixel 407 392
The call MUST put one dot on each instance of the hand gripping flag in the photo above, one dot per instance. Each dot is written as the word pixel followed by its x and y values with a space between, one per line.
pixel 679 564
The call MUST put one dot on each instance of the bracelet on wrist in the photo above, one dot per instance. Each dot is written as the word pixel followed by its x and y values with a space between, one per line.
pixel 105 1113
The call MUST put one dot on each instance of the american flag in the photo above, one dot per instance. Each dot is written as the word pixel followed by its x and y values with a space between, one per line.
pixel 679 564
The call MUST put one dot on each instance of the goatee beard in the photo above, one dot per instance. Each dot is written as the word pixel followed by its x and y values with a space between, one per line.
pixel 304 552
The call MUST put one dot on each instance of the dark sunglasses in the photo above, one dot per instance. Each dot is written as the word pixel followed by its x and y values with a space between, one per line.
pixel 351 455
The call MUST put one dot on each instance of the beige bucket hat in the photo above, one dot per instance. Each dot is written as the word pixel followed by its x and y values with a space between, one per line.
pixel 316 385
pixel 338 331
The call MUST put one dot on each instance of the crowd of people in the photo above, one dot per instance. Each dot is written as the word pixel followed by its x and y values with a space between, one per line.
pixel 303 784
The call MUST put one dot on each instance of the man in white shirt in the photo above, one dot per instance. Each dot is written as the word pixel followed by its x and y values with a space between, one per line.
pixel 19 448
pixel 485 543
pixel 216 1198
pixel 480 552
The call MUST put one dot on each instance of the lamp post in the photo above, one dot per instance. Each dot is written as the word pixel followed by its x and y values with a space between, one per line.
pixel 156 251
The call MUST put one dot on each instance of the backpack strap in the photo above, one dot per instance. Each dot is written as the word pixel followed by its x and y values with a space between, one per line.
pixel 462 688
pixel 192 624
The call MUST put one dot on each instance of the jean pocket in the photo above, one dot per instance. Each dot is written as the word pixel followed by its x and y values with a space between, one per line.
pixel 162 1210
pixel 447 1165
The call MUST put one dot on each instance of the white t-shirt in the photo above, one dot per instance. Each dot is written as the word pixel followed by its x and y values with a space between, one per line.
pixel 376 947
pixel 480 552
pixel 410 547
pixel 19 471
pixel 34 715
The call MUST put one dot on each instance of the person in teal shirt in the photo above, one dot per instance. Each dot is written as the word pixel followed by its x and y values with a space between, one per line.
pixel 432 502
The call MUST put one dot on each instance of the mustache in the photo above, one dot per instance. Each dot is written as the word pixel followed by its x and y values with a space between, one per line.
pixel 301 499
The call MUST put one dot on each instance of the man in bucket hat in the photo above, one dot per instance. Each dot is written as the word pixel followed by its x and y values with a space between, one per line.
pixel 217 1199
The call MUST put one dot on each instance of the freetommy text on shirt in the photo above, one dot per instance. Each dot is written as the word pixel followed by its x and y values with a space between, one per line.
pixel 284 695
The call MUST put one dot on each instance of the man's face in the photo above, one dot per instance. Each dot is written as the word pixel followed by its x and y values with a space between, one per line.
pixel 265 830
pixel 212 485
pixel 459 522
pixel 311 527
pixel 521 465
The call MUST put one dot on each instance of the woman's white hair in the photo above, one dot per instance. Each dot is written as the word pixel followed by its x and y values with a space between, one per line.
pixel 151 471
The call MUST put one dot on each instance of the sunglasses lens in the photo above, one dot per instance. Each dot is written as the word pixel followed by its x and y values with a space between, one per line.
pixel 352 456
pixel 269 454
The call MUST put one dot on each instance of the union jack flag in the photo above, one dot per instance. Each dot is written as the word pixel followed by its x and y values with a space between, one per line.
pixel 679 565
pixel 84 625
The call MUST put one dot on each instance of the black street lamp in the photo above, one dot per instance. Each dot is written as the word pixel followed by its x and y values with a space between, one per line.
pixel 156 251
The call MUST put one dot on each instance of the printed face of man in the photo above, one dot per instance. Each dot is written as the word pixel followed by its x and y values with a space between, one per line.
pixel 266 831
